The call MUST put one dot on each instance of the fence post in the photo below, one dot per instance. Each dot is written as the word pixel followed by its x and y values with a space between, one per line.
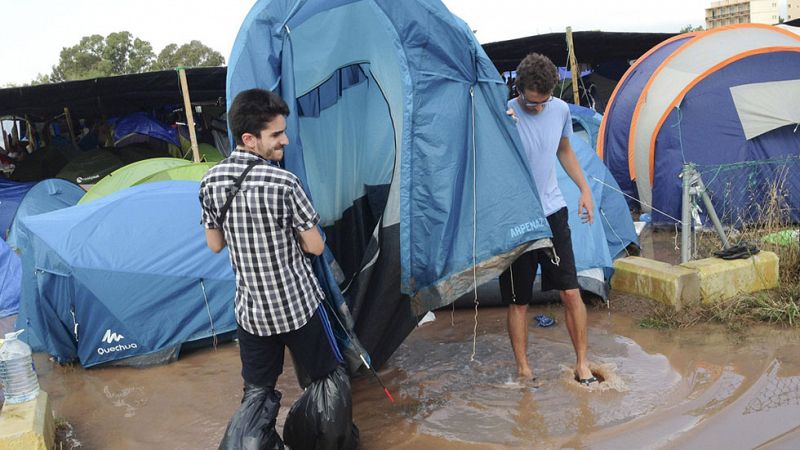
pixel 686 215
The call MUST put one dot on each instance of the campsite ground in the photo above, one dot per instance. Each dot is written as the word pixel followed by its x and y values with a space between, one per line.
pixel 699 387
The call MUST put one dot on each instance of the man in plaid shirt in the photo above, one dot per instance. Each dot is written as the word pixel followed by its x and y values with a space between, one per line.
pixel 268 227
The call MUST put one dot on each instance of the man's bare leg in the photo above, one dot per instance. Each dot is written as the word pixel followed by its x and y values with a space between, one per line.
pixel 575 315
pixel 518 333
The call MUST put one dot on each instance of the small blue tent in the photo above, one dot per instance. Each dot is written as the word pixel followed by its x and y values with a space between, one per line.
pixel 398 131
pixel 44 196
pixel 126 275
pixel 11 194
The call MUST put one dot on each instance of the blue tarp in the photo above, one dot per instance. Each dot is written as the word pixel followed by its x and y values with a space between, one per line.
pixel 143 123
pixel 129 274
pixel 428 121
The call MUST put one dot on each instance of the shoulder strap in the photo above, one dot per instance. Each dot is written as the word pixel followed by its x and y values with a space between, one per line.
pixel 223 212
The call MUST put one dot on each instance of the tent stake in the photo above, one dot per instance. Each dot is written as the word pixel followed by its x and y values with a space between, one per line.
pixel 573 67
pixel 187 106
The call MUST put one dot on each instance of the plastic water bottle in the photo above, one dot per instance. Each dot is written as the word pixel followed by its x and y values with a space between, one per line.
pixel 16 370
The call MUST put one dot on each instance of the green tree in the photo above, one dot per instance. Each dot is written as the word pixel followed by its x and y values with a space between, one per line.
pixel 193 54
pixel 689 28
pixel 121 53
pixel 95 56
pixel 41 78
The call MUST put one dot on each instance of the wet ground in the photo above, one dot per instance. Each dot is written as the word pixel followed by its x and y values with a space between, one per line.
pixel 699 388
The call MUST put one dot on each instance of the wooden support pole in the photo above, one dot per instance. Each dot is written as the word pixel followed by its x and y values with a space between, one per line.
pixel 187 106
pixel 31 138
pixel 6 140
pixel 15 130
pixel 573 67
pixel 68 118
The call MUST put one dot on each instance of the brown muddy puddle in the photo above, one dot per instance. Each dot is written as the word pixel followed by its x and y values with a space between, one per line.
pixel 698 388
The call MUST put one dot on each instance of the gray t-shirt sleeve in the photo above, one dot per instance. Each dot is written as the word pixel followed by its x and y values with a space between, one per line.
pixel 566 130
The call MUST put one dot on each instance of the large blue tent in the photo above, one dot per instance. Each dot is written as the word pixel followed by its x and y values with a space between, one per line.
pixel 123 276
pixel 398 131
pixel 722 100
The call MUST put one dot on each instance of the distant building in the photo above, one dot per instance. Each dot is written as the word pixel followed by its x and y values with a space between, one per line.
pixel 729 12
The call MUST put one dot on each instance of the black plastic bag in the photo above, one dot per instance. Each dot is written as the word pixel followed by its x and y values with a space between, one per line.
pixel 252 426
pixel 322 418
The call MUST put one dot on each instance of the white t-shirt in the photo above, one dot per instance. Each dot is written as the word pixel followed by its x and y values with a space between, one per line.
pixel 541 134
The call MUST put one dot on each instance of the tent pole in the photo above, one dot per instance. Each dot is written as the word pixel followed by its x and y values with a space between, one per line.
pixel 686 216
pixel 573 64
pixel 68 118
pixel 187 106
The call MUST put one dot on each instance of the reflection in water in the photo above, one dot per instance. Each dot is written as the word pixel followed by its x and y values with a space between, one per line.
pixel 695 388
pixel 776 392
pixel 130 398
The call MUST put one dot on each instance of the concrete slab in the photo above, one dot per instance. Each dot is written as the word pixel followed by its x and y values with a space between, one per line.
pixel 724 279
pixel 672 285
pixel 27 426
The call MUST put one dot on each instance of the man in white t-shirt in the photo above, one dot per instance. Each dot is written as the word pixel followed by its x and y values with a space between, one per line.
pixel 545 125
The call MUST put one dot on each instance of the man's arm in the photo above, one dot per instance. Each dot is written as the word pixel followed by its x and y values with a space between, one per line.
pixel 569 161
pixel 311 241
pixel 215 239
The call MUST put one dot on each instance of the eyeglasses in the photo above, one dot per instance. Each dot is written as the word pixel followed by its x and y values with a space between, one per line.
pixel 536 104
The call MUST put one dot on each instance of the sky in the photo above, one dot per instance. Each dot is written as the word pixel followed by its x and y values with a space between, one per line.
pixel 33 32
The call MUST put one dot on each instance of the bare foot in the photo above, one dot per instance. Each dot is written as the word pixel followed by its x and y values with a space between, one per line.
pixel 583 373
pixel 525 374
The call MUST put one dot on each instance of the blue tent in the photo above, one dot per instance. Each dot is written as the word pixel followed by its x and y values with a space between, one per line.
pixel 44 196
pixel 123 276
pixel 10 276
pixel 11 194
pixel 398 131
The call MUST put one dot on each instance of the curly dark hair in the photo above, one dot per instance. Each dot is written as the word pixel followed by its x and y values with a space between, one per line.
pixel 536 72
pixel 251 110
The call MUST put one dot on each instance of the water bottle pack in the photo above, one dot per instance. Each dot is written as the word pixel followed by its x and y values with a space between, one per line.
pixel 20 383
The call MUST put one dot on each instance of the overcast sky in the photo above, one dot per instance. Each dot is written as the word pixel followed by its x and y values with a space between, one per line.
pixel 33 32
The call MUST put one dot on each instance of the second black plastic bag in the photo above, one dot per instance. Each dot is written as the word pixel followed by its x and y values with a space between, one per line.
pixel 322 418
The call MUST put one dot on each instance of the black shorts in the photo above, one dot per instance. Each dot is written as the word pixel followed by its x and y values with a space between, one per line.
pixel 311 347
pixel 523 271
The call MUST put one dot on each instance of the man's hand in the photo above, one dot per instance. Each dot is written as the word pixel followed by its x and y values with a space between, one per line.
pixel 510 112
pixel 586 206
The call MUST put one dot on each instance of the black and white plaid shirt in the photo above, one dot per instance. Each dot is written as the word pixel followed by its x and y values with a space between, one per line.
pixel 276 290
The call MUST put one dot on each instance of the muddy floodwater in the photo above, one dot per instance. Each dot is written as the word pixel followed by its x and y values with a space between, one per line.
pixel 702 388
